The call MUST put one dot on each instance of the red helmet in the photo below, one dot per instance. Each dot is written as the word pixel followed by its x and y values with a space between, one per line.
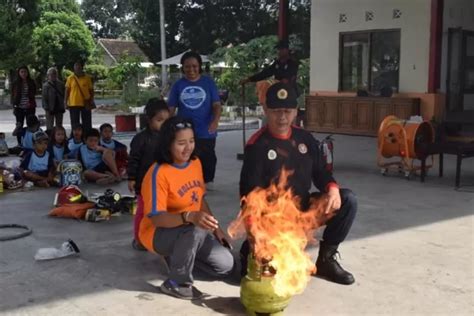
pixel 70 194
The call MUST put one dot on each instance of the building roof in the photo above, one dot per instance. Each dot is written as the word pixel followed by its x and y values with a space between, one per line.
pixel 116 48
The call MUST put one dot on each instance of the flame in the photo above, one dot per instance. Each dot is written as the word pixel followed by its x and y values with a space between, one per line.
pixel 279 233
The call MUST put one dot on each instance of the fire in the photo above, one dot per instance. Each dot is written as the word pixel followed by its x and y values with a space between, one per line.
pixel 279 233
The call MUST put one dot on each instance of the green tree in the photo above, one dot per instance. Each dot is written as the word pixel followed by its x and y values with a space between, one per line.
pixel 107 18
pixel 208 24
pixel 126 68
pixel 60 39
pixel 125 76
pixel 17 20
pixel 145 27
pixel 98 72
pixel 69 6
pixel 205 25
pixel 247 59
pixel 201 25
pixel 242 61
pixel 299 26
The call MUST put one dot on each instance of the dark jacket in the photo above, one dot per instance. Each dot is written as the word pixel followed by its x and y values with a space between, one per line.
pixel 142 155
pixel 53 96
pixel 280 70
pixel 265 156
pixel 16 93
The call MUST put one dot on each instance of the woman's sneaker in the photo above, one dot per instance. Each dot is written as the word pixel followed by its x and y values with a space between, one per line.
pixel 185 292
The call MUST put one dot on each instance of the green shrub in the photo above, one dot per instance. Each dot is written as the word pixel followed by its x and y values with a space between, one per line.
pixel 66 73
pixel 98 72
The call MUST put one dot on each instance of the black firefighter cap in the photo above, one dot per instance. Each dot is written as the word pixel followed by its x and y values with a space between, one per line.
pixel 281 95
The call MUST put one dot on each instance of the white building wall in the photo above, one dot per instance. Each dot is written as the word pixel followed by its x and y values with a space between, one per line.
pixel 457 13
pixel 414 26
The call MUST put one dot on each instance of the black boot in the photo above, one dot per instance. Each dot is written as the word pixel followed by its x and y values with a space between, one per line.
pixel 329 269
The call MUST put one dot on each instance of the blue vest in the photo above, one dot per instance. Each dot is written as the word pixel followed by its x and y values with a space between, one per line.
pixel 73 148
pixel 90 158
pixel 39 163
pixel 58 153
pixel 27 140
pixel 110 145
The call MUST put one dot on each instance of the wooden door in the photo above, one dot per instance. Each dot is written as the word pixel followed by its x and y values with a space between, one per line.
pixel 329 114
pixel 364 116
pixel 381 110
pixel 403 110
pixel 346 115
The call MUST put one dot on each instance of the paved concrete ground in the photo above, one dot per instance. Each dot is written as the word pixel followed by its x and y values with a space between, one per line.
pixel 410 249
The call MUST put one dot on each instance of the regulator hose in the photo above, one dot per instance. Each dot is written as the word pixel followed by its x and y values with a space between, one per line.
pixel 27 231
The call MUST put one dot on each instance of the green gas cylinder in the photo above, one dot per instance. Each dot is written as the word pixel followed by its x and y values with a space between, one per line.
pixel 257 293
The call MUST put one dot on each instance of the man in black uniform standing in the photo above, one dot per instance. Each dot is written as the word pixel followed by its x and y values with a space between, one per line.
pixel 280 145
pixel 284 68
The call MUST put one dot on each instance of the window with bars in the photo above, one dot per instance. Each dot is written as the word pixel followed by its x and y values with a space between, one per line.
pixel 369 60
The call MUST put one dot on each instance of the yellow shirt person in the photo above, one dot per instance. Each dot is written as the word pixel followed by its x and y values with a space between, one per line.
pixel 79 88
pixel 79 97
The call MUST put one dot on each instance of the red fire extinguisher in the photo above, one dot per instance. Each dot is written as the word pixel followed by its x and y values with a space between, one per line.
pixel 327 148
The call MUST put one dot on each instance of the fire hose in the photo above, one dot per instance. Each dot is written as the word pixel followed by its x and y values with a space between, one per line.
pixel 27 231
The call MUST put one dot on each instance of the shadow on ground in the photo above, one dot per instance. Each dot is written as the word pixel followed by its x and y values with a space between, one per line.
pixel 107 261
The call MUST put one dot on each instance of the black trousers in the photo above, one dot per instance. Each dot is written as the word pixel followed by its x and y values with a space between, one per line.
pixel 206 151
pixel 336 230
pixel 78 113
pixel 20 115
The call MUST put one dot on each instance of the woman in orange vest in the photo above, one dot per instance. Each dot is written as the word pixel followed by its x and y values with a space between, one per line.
pixel 177 221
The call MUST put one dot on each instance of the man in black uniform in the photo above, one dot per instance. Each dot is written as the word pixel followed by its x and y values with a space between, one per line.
pixel 280 145
pixel 284 68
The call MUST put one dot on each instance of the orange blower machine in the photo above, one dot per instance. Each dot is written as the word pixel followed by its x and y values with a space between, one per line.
pixel 401 139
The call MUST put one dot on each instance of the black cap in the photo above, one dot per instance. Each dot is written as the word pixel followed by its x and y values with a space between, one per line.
pixel 282 44
pixel 281 95
pixel 40 135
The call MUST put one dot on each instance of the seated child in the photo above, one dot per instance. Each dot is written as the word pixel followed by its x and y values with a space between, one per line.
pixel 38 165
pixel 106 140
pixel 26 133
pixel 75 141
pixel 98 162
pixel 58 146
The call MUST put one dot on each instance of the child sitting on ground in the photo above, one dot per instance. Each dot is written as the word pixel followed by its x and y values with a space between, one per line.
pixel 58 146
pixel 75 141
pixel 142 155
pixel 26 133
pixel 38 165
pixel 106 140
pixel 98 162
